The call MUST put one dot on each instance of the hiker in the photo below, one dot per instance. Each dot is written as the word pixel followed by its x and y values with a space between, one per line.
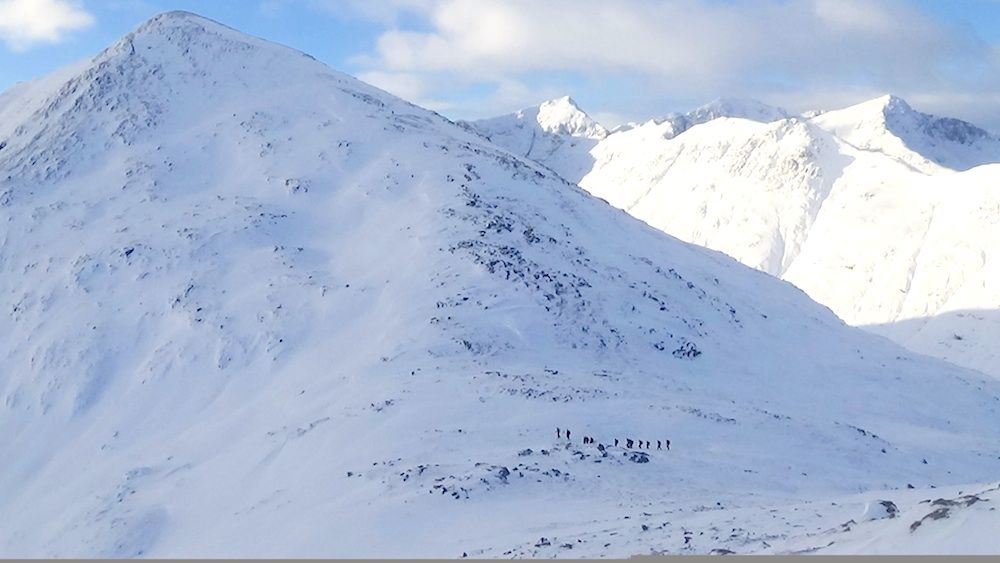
pixel 558 433
pixel 628 443
pixel 616 442
pixel 659 445
pixel 567 433
pixel 647 444
pixel 668 445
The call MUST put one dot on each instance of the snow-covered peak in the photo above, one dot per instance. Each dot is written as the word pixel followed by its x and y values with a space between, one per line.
pixel 559 116
pixel 736 107
pixel 873 112
pixel 563 116
pixel 556 133
pixel 889 124
pixel 184 29
pixel 180 18
pixel 676 123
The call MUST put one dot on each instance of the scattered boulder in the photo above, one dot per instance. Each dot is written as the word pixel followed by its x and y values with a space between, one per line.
pixel 880 510
pixel 639 457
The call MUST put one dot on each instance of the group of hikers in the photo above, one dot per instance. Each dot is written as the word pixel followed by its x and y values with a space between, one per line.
pixel 629 442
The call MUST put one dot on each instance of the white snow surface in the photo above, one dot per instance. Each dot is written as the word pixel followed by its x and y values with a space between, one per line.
pixel 254 307
pixel 887 215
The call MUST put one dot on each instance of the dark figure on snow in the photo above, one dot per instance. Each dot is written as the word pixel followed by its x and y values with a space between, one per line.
pixel 586 440
pixel 647 444
pixel 567 433
pixel 616 442
pixel 558 433
pixel 659 445
pixel 668 445
pixel 628 442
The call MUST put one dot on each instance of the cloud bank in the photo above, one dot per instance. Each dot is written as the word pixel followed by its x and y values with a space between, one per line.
pixel 26 23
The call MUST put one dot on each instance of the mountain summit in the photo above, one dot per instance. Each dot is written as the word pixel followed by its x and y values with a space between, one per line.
pixel 255 307
pixel 556 132
pixel 888 124
pixel 562 116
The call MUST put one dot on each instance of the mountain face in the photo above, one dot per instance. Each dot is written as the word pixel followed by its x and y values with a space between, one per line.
pixel 884 214
pixel 255 307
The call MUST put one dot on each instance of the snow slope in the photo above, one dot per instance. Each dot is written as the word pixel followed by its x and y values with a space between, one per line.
pixel 955 521
pixel 255 307
pixel 884 214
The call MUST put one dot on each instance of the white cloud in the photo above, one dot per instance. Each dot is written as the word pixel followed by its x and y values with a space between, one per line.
pixel 678 39
pixel 684 49
pixel 25 23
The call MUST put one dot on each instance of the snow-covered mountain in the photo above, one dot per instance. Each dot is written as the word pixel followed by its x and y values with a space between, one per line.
pixel 887 215
pixel 557 132
pixel 889 126
pixel 255 307
pixel 562 137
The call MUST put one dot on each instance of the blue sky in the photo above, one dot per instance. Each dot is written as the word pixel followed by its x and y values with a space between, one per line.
pixel 621 60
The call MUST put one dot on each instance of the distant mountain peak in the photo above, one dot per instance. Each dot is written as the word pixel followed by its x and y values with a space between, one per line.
pixel 745 108
pixel 889 124
pixel 562 116
pixel 879 107
pixel 893 102
pixel 740 108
